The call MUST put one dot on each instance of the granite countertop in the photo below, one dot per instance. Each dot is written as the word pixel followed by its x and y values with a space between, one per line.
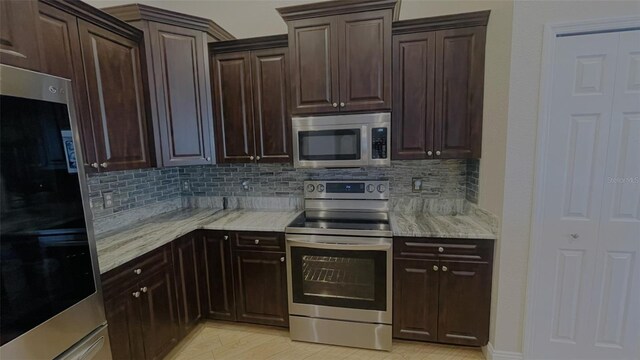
pixel 465 226
pixel 119 246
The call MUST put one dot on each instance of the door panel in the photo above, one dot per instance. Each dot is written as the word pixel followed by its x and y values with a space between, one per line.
pixel 261 287
pixel 272 121
pixel 313 45
pixel 158 313
pixel 458 92
pixel 122 311
pixel 364 53
pixel 415 299
pixel 413 95
pixel 464 302
pixel 219 302
pixel 234 107
pixel 179 58
pixel 188 274
pixel 59 44
pixel 617 273
pixel 19 34
pixel 116 98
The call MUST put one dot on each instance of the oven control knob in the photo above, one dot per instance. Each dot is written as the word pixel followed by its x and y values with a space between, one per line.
pixel 382 188
pixel 320 187
pixel 310 188
pixel 370 188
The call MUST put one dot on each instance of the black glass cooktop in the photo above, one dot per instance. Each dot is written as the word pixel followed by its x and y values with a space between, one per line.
pixel 346 221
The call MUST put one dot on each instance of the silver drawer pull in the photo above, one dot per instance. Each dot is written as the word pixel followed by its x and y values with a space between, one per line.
pixel 136 294
pixel 137 271
pixel 440 249
pixel 444 268
pixel 256 241
pixel 143 289
pixel 282 259
pixel 435 267
pixel 226 237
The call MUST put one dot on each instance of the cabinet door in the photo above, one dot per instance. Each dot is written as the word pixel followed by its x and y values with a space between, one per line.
pixel 234 107
pixel 365 60
pixel 413 96
pixel 116 98
pixel 219 300
pixel 180 69
pixel 59 45
pixel 188 272
pixel 313 45
pixel 464 303
pixel 122 311
pixel 261 287
pixel 459 92
pixel 158 313
pixel 270 103
pixel 415 299
pixel 19 34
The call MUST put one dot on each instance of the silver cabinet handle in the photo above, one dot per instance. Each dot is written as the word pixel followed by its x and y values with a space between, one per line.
pixel 251 157
pixel 335 105
pixel 257 157
pixel 440 249
pixel 137 271
pixel 444 268
pixel 104 165
pixel 94 165
pixel 143 289
pixel 226 237
pixel 341 104
pixel 256 241
pixel 430 153
pixel 435 267
pixel 282 259
pixel 136 294
pixel 437 152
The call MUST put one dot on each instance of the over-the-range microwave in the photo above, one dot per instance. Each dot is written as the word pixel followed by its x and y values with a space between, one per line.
pixel 332 141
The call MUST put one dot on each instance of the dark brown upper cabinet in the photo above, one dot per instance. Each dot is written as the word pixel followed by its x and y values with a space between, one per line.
pixel 340 55
pixel 178 71
pixel 438 85
pixel 19 34
pixel 250 87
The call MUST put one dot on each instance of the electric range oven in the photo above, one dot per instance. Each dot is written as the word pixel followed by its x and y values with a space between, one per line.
pixel 339 256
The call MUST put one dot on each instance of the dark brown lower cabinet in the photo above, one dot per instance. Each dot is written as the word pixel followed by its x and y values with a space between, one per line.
pixel 188 273
pixel 122 311
pixel 415 303
pixel 218 300
pixel 260 287
pixel 464 302
pixel 438 294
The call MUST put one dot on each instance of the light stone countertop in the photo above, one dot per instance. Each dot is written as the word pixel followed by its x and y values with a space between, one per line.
pixel 122 245
pixel 465 226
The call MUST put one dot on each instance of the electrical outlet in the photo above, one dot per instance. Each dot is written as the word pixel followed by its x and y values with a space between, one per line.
pixel 186 185
pixel 416 184
pixel 107 199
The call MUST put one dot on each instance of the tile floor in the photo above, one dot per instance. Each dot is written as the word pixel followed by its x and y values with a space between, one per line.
pixel 223 340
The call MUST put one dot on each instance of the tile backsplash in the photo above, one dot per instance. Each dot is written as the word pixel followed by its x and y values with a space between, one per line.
pixel 442 179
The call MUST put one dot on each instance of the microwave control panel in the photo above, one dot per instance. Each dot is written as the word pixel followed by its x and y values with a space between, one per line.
pixel 379 143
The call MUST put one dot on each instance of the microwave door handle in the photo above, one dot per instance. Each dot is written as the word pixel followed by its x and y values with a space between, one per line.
pixel 332 246
pixel 365 145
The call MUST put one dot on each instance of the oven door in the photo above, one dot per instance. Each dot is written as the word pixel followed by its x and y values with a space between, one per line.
pixel 340 277
pixel 330 146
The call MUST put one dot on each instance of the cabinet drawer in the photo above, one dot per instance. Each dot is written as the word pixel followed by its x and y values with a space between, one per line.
pixel 267 241
pixel 145 264
pixel 434 248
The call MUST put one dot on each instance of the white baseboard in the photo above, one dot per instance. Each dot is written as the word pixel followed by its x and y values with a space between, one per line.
pixel 492 354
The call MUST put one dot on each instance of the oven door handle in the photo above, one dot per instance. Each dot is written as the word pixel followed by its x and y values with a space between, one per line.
pixel 384 246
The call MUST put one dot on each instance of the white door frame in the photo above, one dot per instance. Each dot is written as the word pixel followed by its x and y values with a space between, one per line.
pixel 551 32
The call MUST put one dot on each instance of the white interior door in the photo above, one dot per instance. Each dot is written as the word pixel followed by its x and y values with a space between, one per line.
pixel 585 296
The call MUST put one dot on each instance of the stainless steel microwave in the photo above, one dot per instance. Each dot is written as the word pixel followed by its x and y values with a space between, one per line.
pixel 354 140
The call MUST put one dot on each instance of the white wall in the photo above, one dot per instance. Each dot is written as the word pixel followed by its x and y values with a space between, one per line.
pixel 529 18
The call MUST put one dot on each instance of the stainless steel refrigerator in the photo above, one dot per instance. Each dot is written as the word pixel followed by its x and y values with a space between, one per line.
pixel 51 302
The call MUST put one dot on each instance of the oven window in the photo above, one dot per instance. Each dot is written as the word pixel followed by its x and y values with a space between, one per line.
pixel 329 145
pixel 341 278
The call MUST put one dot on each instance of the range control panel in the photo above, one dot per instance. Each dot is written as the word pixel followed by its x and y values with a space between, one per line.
pixel 353 189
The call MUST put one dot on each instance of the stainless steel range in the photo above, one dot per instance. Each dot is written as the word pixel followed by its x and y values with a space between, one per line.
pixel 339 273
